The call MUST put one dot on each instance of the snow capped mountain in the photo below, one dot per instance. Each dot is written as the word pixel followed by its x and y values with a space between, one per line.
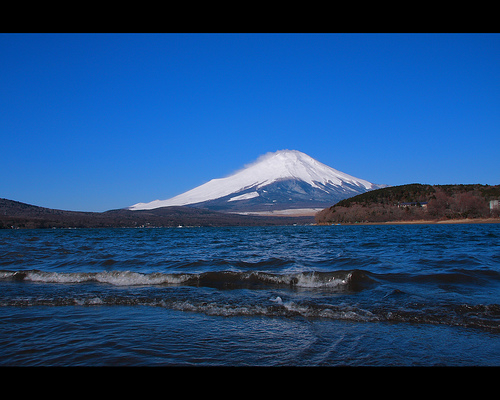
pixel 285 179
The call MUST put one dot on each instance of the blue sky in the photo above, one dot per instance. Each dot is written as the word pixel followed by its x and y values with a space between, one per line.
pixel 92 122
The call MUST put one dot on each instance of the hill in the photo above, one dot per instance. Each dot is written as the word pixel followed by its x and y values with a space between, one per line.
pixel 14 214
pixel 414 202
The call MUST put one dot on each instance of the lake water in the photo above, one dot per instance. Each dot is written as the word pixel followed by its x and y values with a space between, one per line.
pixel 387 295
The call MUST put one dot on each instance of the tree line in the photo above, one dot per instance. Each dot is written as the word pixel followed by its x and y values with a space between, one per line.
pixel 415 202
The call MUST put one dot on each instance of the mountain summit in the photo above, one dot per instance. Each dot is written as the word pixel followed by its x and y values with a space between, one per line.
pixel 286 179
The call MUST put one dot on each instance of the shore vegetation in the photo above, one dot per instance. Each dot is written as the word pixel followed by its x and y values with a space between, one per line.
pixel 417 202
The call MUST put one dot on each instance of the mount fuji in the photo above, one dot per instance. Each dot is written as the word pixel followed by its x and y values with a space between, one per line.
pixel 282 182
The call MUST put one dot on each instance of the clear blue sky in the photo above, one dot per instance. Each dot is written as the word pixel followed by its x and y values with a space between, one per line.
pixel 93 122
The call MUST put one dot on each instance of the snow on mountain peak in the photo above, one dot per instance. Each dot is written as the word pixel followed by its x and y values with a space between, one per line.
pixel 267 169
pixel 293 164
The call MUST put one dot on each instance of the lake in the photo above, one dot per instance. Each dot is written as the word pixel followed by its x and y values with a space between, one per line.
pixel 367 295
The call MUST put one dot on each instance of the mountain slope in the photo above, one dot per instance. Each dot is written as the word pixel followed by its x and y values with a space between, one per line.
pixel 14 214
pixel 280 180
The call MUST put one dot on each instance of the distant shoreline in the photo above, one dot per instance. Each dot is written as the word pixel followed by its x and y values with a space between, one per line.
pixel 424 222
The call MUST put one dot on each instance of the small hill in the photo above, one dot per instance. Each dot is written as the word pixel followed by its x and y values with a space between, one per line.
pixel 415 202
pixel 14 214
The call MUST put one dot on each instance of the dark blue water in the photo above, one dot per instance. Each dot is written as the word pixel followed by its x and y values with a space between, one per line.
pixel 262 296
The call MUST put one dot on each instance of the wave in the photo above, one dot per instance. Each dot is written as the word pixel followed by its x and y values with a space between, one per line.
pixel 478 316
pixel 352 280
pixel 457 276
pixel 340 280
pixel 272 301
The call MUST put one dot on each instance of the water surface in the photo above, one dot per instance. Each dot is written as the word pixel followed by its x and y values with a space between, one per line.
pixel 295 295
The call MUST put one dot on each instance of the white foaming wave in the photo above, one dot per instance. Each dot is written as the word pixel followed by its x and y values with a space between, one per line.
pixel 315 281
pixel 336 280
pixel 117 278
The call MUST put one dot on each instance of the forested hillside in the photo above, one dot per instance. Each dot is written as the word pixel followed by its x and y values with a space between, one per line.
pixel 416 202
